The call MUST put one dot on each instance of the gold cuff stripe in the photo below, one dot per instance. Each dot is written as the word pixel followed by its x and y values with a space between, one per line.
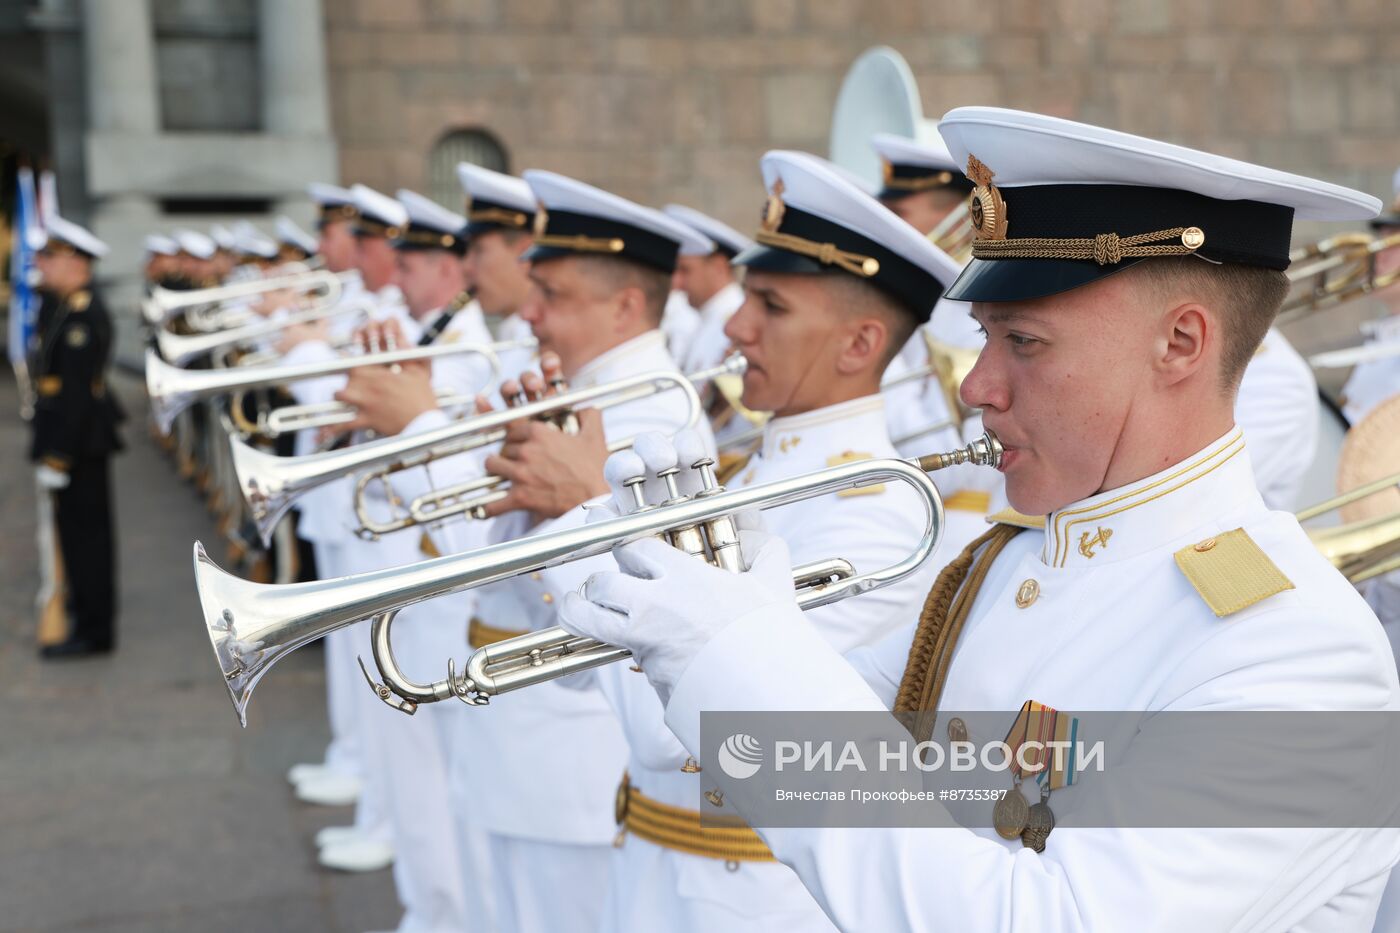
pixel 828 254
pixel 49 386
pixel 1105 249
pixel 680 829
pixel 582 244
pixel 479 634
pixel 498 215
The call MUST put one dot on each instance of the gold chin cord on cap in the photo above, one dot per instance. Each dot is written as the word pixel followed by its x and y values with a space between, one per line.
pixel 828 254
pixel 988 213
pixel 1106 249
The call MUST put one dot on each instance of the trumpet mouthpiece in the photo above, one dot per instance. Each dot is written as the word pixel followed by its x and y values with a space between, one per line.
pixel 985 451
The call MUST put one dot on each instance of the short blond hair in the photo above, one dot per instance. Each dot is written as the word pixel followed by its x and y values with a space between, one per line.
pixel 1247 298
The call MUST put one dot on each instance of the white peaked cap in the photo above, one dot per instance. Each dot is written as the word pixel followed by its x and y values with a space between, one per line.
pixel 497 188
pixel 379 207
pixel 288 232
pixel 65 231
pixel 162 245
pixel 425 212
pixel 199 245
pixel 328 195
pixel 606 217
pixel 717 231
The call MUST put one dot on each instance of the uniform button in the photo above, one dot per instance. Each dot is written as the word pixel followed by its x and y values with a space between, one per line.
pixel 957 730
pixel 548 597
pixel 1205 545
pixel 1027 594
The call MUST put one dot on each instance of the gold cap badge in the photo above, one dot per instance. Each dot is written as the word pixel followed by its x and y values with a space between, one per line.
pixel 541 220
pixel 986 210
pixel 773 208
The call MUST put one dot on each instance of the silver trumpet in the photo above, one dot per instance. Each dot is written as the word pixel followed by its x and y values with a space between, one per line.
pixel 288 419
pixel 173 389
pixel 252 625
pixel 271 484
pixel 320 285
pixel 181 349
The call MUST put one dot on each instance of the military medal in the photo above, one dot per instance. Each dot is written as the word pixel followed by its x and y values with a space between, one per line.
pixel 1039 824
pixel 1011 814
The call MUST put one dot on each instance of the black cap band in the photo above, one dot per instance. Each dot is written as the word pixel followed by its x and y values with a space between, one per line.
pixel 904 180
pixel 421 237
pixel 825 245
pixel 558 233
pixel 373 226
pixel 484 216
pixel 1247 232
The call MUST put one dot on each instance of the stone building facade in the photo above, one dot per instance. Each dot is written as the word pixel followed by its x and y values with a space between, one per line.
pixel 666 100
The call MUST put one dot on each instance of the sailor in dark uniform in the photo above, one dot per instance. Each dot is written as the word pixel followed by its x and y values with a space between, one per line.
pixel 75 433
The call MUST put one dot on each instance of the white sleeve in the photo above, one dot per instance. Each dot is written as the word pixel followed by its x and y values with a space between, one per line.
pixel 1088 879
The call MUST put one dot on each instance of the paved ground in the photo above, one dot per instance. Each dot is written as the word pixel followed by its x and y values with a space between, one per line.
pixel 130 800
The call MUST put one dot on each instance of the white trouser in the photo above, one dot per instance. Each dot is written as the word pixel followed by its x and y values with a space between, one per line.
pixel 345 753
pixel 372 809
pixel 548 885
pixel 410 752
pixel 473 842
pixel 652 888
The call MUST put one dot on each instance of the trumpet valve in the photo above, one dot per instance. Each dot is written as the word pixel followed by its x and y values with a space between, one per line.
pixel 722 533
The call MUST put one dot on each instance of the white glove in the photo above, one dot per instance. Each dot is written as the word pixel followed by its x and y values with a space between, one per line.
pixel 666 605
pixel 50 479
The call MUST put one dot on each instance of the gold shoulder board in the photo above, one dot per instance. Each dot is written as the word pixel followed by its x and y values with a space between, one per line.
pixel 1231 572
pixel 1013 517
pixel 80 300
pixel 851 456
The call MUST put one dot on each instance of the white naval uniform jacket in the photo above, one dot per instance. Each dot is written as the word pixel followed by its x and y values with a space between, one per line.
pixel 656 888
pixel 466 375
pixel 1277 408
pixel 325 511
pixel 708 345
pixel 514 362
pixel 1373 382
pixel 1122 629
pixel 679 322
pixel 550 757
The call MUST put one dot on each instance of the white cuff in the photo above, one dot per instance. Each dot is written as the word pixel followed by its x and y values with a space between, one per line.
pixel 769 659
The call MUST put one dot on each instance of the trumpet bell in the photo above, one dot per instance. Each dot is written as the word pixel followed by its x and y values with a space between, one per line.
pixel 242 662
pixel 265 484
pixel 167 398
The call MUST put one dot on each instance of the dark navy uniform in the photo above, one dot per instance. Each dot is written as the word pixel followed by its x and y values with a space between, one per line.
pixel 75 431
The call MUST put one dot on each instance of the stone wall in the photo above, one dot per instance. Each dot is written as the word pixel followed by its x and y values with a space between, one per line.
pixel 675 99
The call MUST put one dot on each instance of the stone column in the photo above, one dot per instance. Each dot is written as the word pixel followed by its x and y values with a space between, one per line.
pixel 291 46
pixel 122 101
pixel 119 45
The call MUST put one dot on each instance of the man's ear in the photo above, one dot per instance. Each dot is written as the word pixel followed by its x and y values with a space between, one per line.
pixel 1188 332
pixel 863 347
pixel 631 304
